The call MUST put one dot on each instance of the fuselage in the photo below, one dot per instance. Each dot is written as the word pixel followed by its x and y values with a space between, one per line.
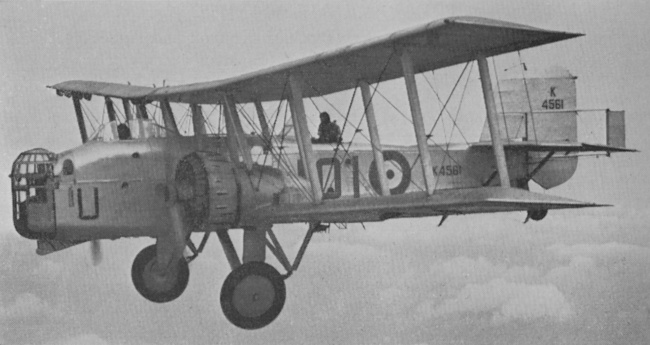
pixel 123 188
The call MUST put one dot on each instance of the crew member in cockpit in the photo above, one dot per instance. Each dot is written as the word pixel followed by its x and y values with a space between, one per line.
pixel 328 131
pixel 123 131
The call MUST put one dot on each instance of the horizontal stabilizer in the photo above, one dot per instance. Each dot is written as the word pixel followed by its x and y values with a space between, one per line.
pixel 442 202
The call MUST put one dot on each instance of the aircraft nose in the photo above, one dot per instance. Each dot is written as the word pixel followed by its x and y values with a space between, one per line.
pixel 32 193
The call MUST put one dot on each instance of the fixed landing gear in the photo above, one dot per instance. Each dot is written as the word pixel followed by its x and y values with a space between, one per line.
pixel 155 284
pixel 253 295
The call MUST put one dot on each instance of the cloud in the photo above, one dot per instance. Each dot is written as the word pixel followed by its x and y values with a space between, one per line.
pixel 26 306
pixel 534 302
pixel 82 339
pixel 350 287
pixel 606 251
pixel 48 269
pixel 466 270
pixel 598 267
pixel 460 271
pixel 508 301
pixel 579 272
pixel 27 318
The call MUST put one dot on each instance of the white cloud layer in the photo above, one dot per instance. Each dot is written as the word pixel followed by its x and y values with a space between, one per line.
pixel 82 339
pixel 507 301
pixel 25 306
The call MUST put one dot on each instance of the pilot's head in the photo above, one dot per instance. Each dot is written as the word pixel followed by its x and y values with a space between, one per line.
pixel 324 117
pixel 123 131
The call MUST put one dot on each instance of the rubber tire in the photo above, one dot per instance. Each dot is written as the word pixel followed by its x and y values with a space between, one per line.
pixel 141 261
pixel 237 276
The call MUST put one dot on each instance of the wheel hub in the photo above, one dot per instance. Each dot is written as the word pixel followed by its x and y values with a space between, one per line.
pixel 159 280
pixel 253 296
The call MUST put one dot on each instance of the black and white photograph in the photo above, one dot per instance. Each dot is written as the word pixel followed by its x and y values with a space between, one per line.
pixel 324 172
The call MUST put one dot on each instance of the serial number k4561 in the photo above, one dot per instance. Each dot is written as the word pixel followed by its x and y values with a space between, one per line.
pixel 447 170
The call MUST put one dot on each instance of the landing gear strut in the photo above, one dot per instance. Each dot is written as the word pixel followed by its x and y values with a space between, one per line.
pixel 156 284
pixel 253 295
pixel 254 292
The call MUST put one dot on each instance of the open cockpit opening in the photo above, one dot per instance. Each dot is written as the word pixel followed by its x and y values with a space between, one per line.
pixel 133 129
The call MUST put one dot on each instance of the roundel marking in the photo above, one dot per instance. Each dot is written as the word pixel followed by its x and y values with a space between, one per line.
pixel 398 173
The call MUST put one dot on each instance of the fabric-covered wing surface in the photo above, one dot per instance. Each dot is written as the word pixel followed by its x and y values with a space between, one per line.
pixel 435 45
pixel 565 146
pixel 441 202
pixel 100 88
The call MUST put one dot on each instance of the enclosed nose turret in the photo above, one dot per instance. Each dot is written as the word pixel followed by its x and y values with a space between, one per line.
pixel 32 193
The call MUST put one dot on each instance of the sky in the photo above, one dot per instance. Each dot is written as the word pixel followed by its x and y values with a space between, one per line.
pixel 577 277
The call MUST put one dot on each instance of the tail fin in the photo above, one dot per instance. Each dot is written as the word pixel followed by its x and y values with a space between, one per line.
pixel 541 109
pixel 538 108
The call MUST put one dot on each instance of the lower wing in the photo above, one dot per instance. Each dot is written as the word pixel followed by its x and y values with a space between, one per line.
pixel 440 203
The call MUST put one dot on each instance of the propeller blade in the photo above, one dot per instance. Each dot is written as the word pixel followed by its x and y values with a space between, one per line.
pixel 96 252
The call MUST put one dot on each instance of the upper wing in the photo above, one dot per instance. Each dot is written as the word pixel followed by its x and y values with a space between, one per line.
pixel 101 88
pixel 442 202
pixel 435 45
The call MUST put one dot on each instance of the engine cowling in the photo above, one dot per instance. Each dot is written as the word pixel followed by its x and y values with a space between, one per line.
pixel 216 192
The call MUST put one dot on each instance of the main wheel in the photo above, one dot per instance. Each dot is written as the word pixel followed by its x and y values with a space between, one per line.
pixel 154 286
pixel 253 295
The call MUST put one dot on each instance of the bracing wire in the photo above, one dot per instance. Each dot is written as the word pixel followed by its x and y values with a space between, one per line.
pixel 86 111
pixel 357 128
pixel 503 112
pixel 444 108
pixel 460 104
pixel 206 120
pixel 530 104
pixel 255 127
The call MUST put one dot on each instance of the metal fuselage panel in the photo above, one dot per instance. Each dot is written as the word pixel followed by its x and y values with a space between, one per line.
pixel 118 188
pixel 351 175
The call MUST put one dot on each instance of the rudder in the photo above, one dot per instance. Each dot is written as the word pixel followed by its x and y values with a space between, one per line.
pixel 552 100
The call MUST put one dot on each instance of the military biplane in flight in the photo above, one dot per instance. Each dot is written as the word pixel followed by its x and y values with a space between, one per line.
pixel 135 177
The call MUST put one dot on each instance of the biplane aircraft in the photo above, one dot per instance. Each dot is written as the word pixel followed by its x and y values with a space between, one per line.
pixel 137 178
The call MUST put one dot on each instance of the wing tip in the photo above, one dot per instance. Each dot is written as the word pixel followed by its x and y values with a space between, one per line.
pixel 482 21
